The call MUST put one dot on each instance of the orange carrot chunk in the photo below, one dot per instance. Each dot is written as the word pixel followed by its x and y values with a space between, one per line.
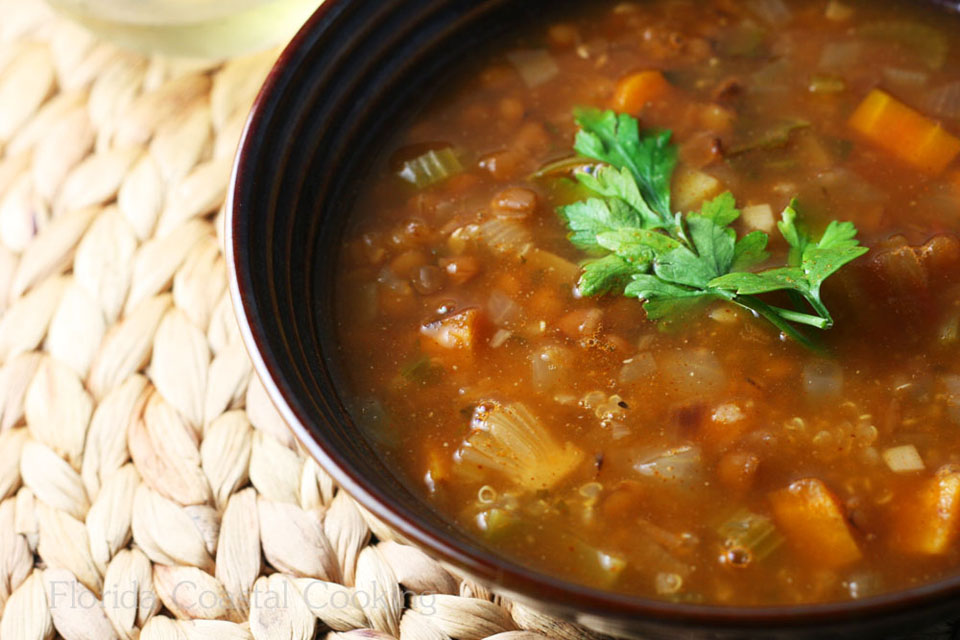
pixel 927 525
pixel 813 522
pixel 637 89
pixel 905 133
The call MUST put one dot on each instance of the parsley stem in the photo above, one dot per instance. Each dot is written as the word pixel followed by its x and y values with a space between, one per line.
pixel 802 318
pixel 766 311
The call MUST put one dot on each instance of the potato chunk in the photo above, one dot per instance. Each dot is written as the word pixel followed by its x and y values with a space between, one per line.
pixel 814 523
pixel 927 524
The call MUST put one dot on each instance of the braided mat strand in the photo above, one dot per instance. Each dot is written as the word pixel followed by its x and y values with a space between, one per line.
pixel 148 488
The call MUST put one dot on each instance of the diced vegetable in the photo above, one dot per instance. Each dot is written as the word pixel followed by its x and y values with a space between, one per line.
pixel 928 44
pixel 906 78
pixel 744 40
pixel 496 523
pixel 840 56
pixel 927 523
pixel 821 83
pixel 758 217
pixel 773 137
pixel 561 268
pixel 458 332
pixel 944 101
pixel 637 368
pixel 510 440
pixel 823 379
pixel 748 537
pixel 502 309
pixel 905 133
pixel 774 12
pixel 637 89
pixel 838 11
pixel 698 370
pixel 678 464
pixel 536 66
pixel 903 459
pixel 507 236
pixel 421 371
pixel 514 202
pixel 692 188
pixel 549 367
pixel 813 521
pixel 430 168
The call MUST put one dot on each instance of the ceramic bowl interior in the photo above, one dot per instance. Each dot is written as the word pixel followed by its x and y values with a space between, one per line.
pixel 353 75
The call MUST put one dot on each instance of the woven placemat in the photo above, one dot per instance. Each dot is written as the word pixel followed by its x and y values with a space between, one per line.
pixel 149 489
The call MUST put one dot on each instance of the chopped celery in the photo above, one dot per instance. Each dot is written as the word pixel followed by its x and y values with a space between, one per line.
pixel 431 167
pixel 750 532
pixel 821 83
pixel 745 40
pixel 421 371
pixel 772 137
pixel 928 44
pixel 496 522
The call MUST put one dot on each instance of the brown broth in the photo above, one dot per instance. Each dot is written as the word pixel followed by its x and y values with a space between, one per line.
pixel 744 412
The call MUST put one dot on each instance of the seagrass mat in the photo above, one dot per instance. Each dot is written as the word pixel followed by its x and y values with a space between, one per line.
pixel 149 489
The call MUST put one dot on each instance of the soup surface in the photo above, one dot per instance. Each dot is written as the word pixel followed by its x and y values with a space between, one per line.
pixel 708 456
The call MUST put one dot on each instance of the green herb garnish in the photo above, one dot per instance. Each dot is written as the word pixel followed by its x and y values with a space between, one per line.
pixel 672 261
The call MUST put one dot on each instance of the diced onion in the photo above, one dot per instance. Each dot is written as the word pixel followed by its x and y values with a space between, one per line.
pixel 904 77
pixel 505 235
pixel 903 459
pixel 667 584
pixel 548 367
pixel 502 309
pixel 759 217
pixel 774 12
pixel 535 66
pixel 431 167
pixel 499 338
pixel 822 378
pixel 511 441
pixel 637 368
pixel 944 101
pixel 697 370
pixel 679 464
pixel 837 56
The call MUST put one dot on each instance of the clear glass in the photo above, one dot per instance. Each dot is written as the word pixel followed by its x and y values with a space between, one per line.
pixel 194 28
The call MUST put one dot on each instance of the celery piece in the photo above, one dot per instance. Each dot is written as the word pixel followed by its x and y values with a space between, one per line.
pixel 431 167
pixel 752 532
pixel 422 371
pixel 928 44
pixel 821 83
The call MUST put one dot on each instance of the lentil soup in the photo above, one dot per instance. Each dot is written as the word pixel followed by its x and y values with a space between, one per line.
pixel 699 454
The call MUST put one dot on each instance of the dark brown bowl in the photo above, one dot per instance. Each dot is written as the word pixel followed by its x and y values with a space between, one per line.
pixel 356 70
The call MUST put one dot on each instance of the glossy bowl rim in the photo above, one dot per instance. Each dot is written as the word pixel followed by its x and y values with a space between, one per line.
pixel 506 576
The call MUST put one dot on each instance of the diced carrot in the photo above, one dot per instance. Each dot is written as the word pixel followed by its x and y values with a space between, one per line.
pixel 637 89
pixel 927 524
pixel 458 333
pixel 813 521
pixel 902 131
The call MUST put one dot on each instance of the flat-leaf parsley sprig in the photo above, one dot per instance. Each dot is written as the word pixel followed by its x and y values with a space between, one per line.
pixel 671 261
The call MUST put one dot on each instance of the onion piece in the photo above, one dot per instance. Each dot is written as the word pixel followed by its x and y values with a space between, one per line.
pixel 502 309
pixel 903 459
pixel 679 464
pixel 549 367
pixel 774 12
pixel 505 235
pixel 822 378
pixel 943 101
pixel 909 78
pixel 753 535
pixel 535 66
pixel 838 56
pixel 509 440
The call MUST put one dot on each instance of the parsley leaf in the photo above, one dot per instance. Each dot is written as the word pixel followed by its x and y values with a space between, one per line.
pixel 816 261
pixel 673 262
pixel 615 139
